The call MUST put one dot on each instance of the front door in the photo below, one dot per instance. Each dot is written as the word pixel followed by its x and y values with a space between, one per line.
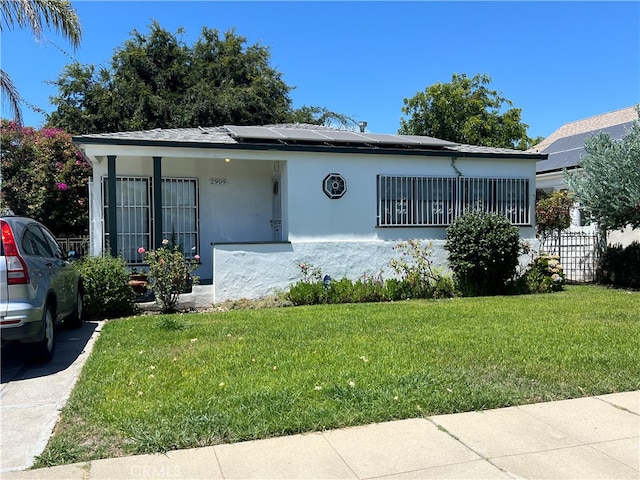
pixel 276 209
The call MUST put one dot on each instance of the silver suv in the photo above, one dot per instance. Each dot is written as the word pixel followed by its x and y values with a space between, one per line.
pixel 39 288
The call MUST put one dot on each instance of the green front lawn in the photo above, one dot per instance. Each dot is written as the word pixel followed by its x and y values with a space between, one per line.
pixel 155 383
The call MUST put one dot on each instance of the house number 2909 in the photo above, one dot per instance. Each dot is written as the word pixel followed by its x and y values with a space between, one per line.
pixel 217 181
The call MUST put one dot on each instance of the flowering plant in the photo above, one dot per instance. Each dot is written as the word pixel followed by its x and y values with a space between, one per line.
pixel 310 273
pixel 44 177
pixel 169 274
pixel 546 274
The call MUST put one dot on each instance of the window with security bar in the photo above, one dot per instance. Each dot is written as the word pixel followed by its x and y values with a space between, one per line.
pixel 180 213
pixel 437 201
pixel 134 205
pixel 133 213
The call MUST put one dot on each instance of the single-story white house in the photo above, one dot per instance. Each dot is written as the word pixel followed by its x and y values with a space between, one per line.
pixel 255 202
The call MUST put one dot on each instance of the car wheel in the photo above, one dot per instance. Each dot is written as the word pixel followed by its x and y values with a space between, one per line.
pixel 75 320
pixel 44 349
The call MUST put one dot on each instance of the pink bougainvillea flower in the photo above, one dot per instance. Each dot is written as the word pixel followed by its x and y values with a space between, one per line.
pixel 62 186
pixel 197 257
pixel 141 250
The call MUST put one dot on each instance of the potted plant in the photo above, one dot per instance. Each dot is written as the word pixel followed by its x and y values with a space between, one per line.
pixel 139 281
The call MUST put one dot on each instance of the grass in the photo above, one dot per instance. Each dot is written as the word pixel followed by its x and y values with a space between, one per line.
pixel 155 383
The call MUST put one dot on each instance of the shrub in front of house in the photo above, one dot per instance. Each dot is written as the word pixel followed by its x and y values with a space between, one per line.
pixel 483 253
pixel 544 275
pixel 416 277
pixel 620 266
pixel 107 293
pixel 338 291
pixel 417 274
pixel 307 293
pixel 170 274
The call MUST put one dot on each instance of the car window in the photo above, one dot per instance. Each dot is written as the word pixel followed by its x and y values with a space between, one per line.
pixel 34 242
pixel 53 244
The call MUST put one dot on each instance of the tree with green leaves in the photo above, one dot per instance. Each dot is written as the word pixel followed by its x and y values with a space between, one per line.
pixel 607 182
pixel 35 15
pixel 553 211
pixel 155 80
pixel 44 177
pixel 466 111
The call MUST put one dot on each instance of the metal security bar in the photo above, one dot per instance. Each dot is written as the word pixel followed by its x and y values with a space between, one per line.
pixel 78 245
pixel 437 201
pixel 180 213
pixel 579 253
pixel 133 205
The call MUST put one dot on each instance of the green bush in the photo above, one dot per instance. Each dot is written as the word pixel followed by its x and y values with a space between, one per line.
pixel 305 293
pixel 341 291
pixel 170 274
pixel 367 289
pixel 620 266
pixel 483 252
pixel 544 275
pixel 418 279
pixel 107 293
pixel 444 288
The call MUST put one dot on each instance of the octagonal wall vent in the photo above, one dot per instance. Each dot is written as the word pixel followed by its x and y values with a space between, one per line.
pixel 334 185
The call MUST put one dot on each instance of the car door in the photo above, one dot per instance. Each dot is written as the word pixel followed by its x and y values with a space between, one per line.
pixel 46 268
pixel 35 253
pixel 64 281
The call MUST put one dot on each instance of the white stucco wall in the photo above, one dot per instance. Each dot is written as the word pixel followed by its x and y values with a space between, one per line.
pixel 312 215
pixel 257 270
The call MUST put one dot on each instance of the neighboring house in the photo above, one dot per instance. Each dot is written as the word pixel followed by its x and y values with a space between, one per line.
pixel 255 202
pixel 565 147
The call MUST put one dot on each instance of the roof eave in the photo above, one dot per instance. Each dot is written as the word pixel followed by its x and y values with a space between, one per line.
pixel 87 140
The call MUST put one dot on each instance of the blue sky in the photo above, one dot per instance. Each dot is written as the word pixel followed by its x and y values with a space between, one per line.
pixel 557 61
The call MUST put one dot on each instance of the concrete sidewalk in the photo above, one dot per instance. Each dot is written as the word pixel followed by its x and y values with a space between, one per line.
pixel 594 437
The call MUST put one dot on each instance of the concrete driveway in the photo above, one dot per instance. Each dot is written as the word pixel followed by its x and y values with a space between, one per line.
pixel 32 395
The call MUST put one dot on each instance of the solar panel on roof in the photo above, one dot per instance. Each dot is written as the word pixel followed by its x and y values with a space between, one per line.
pixel 425 140
pixel 335 136
pixel 300 134
pixel 254 132
pixel 346 136
pixel 577 141
pixel 384 138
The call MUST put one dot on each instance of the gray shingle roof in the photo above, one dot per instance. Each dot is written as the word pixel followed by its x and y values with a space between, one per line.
pixel 221 136
pixel 189 135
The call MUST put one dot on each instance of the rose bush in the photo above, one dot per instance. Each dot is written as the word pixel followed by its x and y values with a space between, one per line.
pixel 170 274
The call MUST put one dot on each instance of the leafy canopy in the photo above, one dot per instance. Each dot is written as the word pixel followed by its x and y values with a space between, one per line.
pixel 607 184
pixel 44 177
pixel 465 111
pixel 553 211
pixel 155 80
